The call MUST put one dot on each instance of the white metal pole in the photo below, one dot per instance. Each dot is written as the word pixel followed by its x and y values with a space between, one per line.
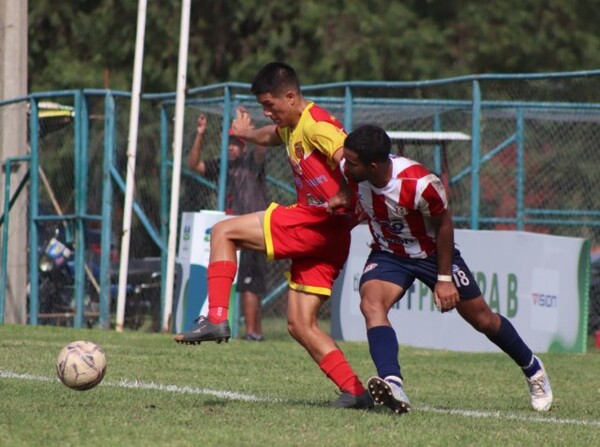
pixel 177 148
pixel 131 154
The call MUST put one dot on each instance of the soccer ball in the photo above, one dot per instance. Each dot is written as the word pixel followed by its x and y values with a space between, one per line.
pixel 81 365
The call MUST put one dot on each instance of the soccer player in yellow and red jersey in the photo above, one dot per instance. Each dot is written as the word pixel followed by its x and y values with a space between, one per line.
pixel 316 241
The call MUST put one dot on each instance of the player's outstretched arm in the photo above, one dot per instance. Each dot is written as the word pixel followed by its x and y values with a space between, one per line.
pixel 243 127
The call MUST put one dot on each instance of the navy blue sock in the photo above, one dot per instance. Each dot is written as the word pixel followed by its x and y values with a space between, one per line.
pixel 511 342
pixel 383 346
pixel 533 367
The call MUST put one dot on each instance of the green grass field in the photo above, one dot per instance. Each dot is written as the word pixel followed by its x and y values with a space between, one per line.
pixel 271 394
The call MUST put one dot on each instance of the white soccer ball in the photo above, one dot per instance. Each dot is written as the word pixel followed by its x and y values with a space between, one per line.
pixel 81 365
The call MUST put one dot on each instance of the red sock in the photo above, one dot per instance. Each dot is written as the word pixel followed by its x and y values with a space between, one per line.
pixel 336 367
pixel 220 277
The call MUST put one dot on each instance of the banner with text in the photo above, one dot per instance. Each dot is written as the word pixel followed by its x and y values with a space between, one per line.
pixel 193 257
pixel 539 282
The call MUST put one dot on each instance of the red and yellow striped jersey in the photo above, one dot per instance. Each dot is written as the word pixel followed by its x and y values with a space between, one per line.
pixel 310 148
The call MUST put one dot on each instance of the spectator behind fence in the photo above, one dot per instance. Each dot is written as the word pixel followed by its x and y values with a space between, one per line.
pixel 246 192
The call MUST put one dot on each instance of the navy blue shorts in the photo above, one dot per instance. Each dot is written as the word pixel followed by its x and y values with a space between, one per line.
pixel 402 271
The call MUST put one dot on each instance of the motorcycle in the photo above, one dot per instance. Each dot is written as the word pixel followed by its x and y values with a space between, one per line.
pixel 57 280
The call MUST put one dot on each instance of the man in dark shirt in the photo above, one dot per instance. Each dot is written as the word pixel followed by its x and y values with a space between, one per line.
pixel 246 192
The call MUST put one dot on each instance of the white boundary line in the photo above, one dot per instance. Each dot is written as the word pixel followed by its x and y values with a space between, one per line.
pixel 511 416
pixel 136 384
pixel 230 395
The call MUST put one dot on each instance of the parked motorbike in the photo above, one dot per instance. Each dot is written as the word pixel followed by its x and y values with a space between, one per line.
pixel 56 284
pixel 57 280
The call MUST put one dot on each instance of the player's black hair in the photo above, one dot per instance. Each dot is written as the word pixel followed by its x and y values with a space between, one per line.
pixel 275 78
pixel 237 141
pixel 371 143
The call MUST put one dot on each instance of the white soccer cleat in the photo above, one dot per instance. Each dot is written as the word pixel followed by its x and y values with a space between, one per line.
pixel 540 390
pixel 388 393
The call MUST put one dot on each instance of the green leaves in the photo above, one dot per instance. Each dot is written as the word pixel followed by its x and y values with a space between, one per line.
pixel 75 44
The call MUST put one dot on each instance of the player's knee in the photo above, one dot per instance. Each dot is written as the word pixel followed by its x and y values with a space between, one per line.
pixel 218 231
pixel 369 306
pixel 302 331
pixel 295 330
pixel 485 322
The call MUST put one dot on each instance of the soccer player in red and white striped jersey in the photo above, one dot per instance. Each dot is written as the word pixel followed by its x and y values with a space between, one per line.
pixel 413 238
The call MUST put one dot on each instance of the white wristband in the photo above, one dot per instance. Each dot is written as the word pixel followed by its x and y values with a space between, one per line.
pixel 445 278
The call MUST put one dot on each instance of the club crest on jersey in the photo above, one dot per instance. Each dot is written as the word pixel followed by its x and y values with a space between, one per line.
pixel 401 211
pixel 297 168
pixel 370 267
pixel 298 150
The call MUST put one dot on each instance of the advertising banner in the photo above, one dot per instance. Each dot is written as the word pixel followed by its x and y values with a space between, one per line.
pixel 193 256
pixel 539 282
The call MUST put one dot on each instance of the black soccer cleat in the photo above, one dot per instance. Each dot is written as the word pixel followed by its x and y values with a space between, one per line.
pixel 205 330
pixel 348 400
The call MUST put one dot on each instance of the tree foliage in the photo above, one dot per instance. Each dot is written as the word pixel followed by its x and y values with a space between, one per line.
pixel 77 43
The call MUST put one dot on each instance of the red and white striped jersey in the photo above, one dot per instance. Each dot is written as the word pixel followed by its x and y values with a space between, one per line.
pixel 399 214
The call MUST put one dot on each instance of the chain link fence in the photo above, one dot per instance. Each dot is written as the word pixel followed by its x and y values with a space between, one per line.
pixel 531 164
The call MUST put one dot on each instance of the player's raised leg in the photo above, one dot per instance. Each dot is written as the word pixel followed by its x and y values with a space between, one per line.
pixel 226 237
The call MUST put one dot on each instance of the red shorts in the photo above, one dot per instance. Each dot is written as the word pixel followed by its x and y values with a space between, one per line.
pixel 316 242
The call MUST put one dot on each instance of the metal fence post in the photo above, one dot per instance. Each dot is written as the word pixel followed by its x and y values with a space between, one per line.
pixel 224 145
pixel 79 290
pixel 348 118
pixel 164 202
pixel 475 155
pixel 520 169
pixel 107 210
pixel 34 194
